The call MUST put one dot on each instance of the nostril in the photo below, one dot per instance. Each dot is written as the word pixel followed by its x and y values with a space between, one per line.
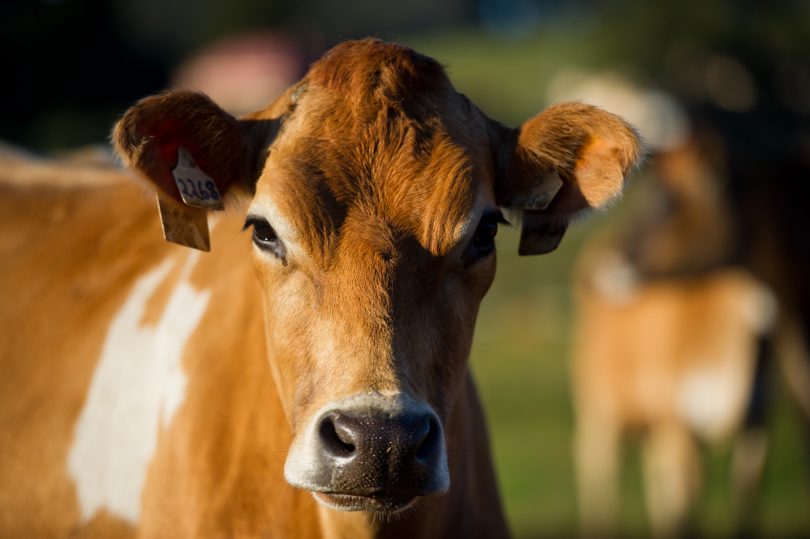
pixel 336 439
pixel 428 439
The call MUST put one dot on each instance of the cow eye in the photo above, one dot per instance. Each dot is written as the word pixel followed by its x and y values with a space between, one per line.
pixel 483 241
pixel 264 237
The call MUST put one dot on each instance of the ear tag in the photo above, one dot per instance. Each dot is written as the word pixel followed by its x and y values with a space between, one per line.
pixel 195 186
pixel 538 234
pixel 185 225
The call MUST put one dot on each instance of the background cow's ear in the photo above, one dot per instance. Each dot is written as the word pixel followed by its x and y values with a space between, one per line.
pixel 565 161
pixel 191 152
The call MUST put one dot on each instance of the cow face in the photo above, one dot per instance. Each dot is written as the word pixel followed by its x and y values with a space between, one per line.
pixel 375 194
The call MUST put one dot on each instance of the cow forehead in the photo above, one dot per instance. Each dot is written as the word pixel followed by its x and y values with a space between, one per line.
pixel 318 186
pixel 364 147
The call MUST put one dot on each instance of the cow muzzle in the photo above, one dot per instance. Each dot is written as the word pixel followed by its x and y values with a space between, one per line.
pixel 370 452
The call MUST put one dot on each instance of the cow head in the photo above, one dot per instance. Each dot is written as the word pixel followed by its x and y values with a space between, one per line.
pixel 375 191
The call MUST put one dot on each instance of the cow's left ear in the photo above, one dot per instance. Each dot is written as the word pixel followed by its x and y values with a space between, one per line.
pixel 193 155
pixel 565 161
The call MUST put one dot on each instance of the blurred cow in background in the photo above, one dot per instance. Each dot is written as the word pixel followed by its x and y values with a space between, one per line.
pixel 675 358
pixel 677 319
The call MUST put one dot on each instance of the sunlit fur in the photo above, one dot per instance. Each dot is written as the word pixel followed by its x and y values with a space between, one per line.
pixel 377 172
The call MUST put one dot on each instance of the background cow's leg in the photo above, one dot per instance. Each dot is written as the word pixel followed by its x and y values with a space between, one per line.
pixel 751 445
pixel 794 362
pixel 793 356
pixel 597 446
pixel 671 478
pixel 747 465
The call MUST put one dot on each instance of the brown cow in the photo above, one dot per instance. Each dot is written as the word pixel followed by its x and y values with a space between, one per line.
pixel 151 391
pixel 673 361
pixel 669 345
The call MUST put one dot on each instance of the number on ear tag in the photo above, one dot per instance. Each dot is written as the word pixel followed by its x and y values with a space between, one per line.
pixel 195 186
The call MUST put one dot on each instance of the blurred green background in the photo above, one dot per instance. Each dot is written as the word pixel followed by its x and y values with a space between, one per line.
pixel 520 358
pixel 72 66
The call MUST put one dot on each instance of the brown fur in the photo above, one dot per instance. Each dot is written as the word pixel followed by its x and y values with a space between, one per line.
pixel 592 151
pixel 378 167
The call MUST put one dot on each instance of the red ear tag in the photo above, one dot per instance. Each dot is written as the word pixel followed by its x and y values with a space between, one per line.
pixel 195 186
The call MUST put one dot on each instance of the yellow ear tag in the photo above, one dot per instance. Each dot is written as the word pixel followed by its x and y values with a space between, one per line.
pixel 185 225
pixel 195 186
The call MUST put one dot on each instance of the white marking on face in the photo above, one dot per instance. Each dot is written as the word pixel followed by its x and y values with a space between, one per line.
pixel 137 387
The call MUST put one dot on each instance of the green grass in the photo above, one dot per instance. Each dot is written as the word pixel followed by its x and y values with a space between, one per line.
pixel 506 78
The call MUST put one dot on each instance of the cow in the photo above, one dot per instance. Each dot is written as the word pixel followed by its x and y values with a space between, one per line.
pixel 673 340
pixel 674 362
pixel 307 377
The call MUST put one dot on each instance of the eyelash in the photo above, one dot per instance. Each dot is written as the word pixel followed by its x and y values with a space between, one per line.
pixel 482 243
pixel 265 238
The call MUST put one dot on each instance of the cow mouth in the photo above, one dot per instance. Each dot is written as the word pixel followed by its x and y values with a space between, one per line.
pixel 373 503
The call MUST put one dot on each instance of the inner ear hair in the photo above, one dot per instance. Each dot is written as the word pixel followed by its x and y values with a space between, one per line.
pixel 150 133
pixel 565 161
pixel 590 150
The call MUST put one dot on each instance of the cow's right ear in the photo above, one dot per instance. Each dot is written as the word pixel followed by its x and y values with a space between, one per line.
pixel 192 154
pixel 567 160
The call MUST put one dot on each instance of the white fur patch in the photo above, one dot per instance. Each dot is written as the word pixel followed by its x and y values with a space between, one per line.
pixel 712 398
pixel 714 391
pixel 137 387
